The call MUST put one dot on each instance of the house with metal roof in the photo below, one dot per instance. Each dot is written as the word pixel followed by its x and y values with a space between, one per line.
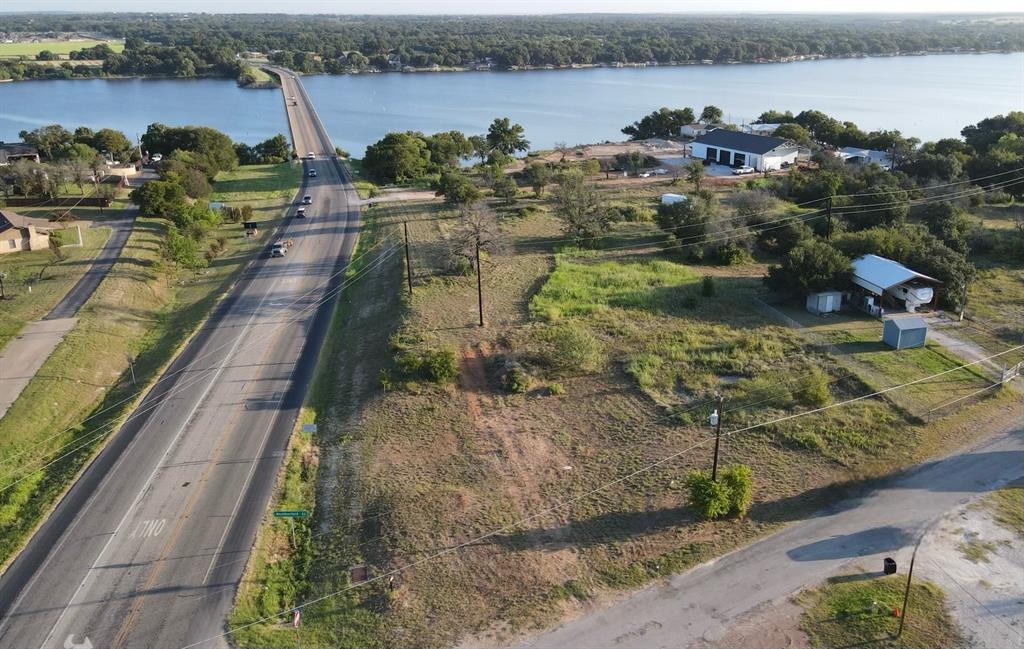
pixel 856 155
pixel 11 151
pixel 892 283
pixel 738 149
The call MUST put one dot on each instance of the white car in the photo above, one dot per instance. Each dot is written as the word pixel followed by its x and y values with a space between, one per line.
pixel 300 213
pixel 156 157
pixel 310 156
pixel 278 250
pixel 307 200
pixel 739 171
pixel 660 172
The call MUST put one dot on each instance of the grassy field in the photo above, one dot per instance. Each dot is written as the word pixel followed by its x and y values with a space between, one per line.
pixel 1007 507
pixel 31 297
pixel 83 391
pixel 64 47
pixel 284 570
pixel 856 611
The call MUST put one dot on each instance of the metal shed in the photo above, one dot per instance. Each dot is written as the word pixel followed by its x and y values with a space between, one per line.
pixel 824 302
pixel 903 333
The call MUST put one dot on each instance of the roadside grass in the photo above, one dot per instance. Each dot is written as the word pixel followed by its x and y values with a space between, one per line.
pixel 996 299
pixel 253 183
pixel 975 550
pixel 29 297
pixel 12 50
pixel 1007 507
pixel 68 410
pixel 859 613
pixel 282 573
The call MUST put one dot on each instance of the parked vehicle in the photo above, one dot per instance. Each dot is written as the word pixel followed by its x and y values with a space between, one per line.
pixel 739 171
pixel 278 250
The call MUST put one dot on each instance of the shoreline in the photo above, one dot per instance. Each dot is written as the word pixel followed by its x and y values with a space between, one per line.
pixel 807 58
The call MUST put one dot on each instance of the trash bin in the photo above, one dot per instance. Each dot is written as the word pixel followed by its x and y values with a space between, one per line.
pixel 889 566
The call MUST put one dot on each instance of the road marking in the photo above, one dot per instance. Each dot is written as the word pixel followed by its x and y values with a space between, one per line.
pixel 148 528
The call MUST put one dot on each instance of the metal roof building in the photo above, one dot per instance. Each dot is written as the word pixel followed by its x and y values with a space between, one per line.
pixel 878 274
pixel 726 147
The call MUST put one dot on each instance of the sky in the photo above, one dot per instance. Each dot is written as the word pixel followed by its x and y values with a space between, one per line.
pixel 515 6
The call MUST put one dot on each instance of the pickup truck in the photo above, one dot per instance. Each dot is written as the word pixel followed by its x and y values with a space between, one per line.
pixel 278 250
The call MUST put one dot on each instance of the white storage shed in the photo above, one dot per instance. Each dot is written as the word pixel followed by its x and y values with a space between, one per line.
pixel 824 302
pixel 738 149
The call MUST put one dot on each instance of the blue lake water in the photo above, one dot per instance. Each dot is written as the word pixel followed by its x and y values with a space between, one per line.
pixel 926 96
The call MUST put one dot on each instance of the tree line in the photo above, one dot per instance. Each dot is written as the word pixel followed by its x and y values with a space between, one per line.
pixel 206 44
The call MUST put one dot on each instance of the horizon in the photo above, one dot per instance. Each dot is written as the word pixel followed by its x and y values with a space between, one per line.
pixel 520 8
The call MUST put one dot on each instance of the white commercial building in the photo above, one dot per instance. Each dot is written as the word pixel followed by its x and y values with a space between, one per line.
pixel 737 149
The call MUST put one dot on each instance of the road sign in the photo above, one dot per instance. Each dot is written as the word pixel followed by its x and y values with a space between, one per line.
pixel 291 513
pixel 309 428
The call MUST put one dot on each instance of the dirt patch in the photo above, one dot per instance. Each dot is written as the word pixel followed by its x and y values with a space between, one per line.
pixel 774 626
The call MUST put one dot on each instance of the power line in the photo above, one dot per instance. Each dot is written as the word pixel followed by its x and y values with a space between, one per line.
pixel 577 498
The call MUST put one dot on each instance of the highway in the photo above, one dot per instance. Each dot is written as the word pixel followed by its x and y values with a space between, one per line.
pixel 148 546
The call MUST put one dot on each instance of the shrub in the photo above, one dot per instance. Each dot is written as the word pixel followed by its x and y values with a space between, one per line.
pixel 740 481
pixel 440 365
pixel 555 389
pixel 516 380
pixel 813 389
pixel 707 286
pixel 572 348
pixel 733 492
pixel 709 497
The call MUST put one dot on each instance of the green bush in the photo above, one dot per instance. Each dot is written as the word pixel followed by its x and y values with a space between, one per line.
pixel 555 389
pixel 733 492
pixel 441 365
pixel 709 497
pixel 571 348
pixel 813 389
pixel 707 286
pixel 740 481
pixel 517 381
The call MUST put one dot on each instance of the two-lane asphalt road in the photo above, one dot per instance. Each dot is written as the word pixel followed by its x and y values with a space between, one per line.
pixel 148 546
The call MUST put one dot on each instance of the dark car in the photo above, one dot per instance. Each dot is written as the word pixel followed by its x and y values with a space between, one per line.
pixel 312 173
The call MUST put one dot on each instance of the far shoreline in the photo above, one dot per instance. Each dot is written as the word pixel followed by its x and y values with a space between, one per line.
pixel 810 58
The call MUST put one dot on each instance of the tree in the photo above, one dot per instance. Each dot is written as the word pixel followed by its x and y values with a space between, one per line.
pixel 812 265
pixel 695 174
pixel 794 132
pixel 711 115
pixel 538 175
pixel 79 172
pixel 48 139
pixel 662 123
pixel 506 137
pixel 505 187
pixel 481 148
pixel 396 158
pixel 159 197
pixel 448 147
pixel 456 188
pixel 581 209
pixel 631 161
pixel 181 250
pixel 274 150
pixel 111 141
pixel 477 224
pixel 46 55
pixel 987 132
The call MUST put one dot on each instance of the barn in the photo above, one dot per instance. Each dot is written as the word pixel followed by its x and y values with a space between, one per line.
pixel 738 149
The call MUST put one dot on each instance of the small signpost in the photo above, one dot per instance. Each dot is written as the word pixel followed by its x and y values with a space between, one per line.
pixel 291 514
pixel 309 428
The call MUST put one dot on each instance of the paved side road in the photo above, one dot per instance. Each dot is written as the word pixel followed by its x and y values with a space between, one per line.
pixel 700 605
pixel 21 358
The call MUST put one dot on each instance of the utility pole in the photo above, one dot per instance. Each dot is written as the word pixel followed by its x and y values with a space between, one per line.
pixel 131 366
pixel 3 295
pixel 408 262
pixel 828 231
pixel 716 421
pixel 910 575
pixel 963 302
pixel 479 284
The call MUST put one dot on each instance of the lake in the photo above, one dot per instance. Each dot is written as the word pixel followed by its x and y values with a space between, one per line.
pixel 929 97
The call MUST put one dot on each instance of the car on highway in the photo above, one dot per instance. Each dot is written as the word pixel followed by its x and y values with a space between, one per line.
pixel 278 250
pixel 310 156
pixel 312 173
pixel 307 200
pixel 300 213
pixel 739 171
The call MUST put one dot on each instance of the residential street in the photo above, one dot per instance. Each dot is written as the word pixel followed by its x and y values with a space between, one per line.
pixel 702 604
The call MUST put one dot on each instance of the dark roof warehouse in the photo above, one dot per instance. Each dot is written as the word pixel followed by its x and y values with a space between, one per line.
pixel 737 141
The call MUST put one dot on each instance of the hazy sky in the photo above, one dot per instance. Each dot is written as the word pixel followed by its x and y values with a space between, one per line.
pixel 511 6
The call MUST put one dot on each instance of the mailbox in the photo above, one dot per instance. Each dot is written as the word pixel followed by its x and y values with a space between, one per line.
pixel 889 566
